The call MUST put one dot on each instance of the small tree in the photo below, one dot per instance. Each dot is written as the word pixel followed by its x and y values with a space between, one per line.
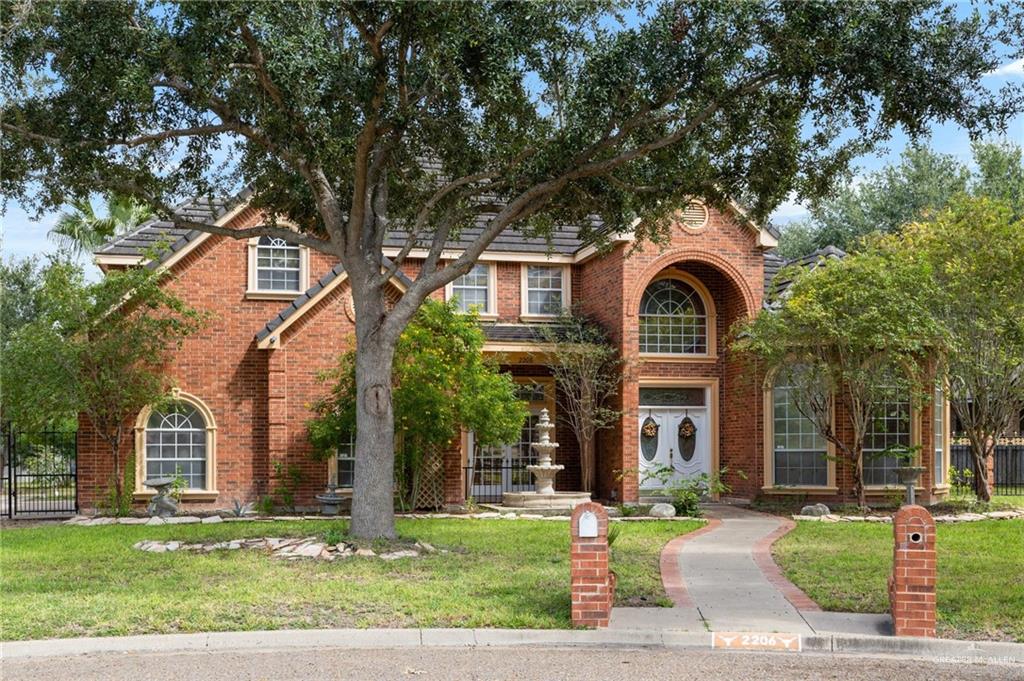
pixel 856 333
pixel 96 349
pixel 441 382
pixel 587 372
pixel 975 251
pixel 81 231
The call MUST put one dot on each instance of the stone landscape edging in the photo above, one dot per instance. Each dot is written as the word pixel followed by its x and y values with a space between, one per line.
pixel 87 521
pixel 949 650
pixel 957 518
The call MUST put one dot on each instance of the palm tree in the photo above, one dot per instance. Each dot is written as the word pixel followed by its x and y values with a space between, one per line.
pixel 81 231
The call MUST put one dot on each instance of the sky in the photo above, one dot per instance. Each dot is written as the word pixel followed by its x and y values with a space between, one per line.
pixel 22 236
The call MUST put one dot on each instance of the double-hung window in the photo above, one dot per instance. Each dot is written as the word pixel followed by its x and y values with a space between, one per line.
pixel 546 290
pixel 799 452
pixel 278 266
pixel 346 456
pixel 889 430
pixel 472 291
pixel 939 435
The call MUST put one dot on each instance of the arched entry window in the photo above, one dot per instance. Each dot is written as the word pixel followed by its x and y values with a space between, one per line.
pixel 673 319
pixel 177 438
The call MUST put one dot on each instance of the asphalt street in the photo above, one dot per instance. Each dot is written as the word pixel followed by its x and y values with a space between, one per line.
pixel 496 664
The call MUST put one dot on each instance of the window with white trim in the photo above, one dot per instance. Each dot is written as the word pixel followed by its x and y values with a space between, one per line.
pixel 673 319
pixel 939 435
pixel 177 444
pixel 278 266
pixel 346 455
pixel 545 289
pixel 798 451
pixel 889 428
pixel 471 291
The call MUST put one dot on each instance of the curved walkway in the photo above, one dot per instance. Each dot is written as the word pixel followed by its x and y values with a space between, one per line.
pixel 723 578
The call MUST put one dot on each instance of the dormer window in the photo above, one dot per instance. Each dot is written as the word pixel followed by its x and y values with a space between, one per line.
pixel 277 268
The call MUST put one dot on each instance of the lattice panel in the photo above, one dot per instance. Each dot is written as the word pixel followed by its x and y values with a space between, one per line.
pixel 431 491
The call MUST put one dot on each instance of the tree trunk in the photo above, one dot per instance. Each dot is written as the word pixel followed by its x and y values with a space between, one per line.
pixel 587 463
pixel 118 476
pixel 373 499
pixel 858 477
pixel 980 451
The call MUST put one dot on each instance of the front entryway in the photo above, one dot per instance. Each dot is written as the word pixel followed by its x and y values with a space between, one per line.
pixel 674 434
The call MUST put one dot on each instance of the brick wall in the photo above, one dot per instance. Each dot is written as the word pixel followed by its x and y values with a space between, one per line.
pixel 592 586
pixel 912 582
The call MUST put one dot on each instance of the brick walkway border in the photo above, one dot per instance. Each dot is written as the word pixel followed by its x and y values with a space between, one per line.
pixel 671 575
pixel 773 573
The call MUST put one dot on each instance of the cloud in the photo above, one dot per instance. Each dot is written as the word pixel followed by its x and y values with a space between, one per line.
pixel 1014 68
pixel 789 210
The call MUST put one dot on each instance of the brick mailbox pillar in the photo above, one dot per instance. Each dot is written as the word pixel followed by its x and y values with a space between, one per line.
pixel 593 587
pixel 912 583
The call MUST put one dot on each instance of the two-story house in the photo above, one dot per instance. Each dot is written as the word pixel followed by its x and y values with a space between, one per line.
pixel 281 314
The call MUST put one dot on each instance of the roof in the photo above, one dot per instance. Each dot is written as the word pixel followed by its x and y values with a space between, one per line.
pixel 513 333
pixel 309 295
pixel 774 263
pixel 158 233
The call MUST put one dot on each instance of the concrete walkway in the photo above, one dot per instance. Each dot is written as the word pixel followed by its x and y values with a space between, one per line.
pixel 731 584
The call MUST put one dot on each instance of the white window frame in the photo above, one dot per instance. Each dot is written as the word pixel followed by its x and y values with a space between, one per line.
pixel 524 291
pixel 914 424
pixel 210 491
pixel 710 321
pixel 333 468
pixel 252 286
pixel 492 291
pixel 940 428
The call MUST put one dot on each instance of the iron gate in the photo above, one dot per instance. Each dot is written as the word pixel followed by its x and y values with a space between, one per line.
pixel 40 475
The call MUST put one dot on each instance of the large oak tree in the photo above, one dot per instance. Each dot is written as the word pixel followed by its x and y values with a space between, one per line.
pixel 360 120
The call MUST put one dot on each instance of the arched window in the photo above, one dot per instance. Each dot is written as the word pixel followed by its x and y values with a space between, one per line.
pixel 673 319
pixel 278 266
pixel 176 444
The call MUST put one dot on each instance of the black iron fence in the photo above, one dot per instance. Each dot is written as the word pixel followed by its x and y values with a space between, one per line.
pixel 486 482
pixel 40 475
pixel 1008 464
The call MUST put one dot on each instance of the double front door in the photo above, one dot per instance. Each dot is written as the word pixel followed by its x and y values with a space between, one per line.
pixel 674 443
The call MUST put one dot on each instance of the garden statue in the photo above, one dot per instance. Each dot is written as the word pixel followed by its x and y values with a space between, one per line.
pixel 163 504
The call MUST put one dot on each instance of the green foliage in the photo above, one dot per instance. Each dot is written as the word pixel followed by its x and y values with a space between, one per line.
pixel 20 293
pixel 334 535
pixel 858 331
pixel 95 348
pixel 441 382
pixel 81 231
pixel 921 184
pixel 687 492
pixel 288 478
pixel 265 505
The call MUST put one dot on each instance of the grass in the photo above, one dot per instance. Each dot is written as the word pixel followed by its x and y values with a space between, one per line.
pixel 65 581
pixel 844 567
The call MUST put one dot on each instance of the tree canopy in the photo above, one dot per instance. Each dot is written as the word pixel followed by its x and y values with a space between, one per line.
pixel 924 181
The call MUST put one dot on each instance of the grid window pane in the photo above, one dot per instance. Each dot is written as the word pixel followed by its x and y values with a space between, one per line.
pixel 799 449
pixel 277 265
pixel 470 290
pixel 544 290
pixel 176 445
pixel 347 462
pixel 672 319
pixel 889 427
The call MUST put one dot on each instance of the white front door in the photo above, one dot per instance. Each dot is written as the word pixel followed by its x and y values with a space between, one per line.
pixel 671 453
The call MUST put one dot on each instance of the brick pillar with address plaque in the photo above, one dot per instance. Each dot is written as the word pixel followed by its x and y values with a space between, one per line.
pixel 593 586
pixel 912 582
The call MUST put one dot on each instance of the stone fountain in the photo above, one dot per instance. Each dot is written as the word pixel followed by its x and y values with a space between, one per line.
pixel 544 472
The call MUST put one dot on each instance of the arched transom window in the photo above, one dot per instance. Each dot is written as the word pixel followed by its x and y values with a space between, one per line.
pixel 176 444
pixel 278 265
pixel 673 319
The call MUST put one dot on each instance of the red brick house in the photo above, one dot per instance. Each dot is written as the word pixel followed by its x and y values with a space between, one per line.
pixel 282 313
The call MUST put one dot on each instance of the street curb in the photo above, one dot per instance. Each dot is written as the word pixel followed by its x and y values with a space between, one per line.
pixel 948 650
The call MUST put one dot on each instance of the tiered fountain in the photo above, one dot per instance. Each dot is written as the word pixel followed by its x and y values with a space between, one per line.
pixel 544 472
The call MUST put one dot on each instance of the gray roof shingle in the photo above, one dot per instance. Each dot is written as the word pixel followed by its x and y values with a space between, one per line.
pixel 774 263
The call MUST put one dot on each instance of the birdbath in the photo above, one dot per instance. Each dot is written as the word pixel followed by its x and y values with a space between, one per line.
pixel 162 505
pixel 909 475
pixel 544 471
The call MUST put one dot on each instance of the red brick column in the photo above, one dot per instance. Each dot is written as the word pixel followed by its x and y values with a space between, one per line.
pixel 912 583
pixel 593 587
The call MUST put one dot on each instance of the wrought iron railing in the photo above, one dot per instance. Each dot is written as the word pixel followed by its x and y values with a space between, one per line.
pixel 1008 464
pixel 486 482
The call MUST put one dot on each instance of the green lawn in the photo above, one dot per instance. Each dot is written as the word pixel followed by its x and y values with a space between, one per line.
pixel 62 581
pixel 844 566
